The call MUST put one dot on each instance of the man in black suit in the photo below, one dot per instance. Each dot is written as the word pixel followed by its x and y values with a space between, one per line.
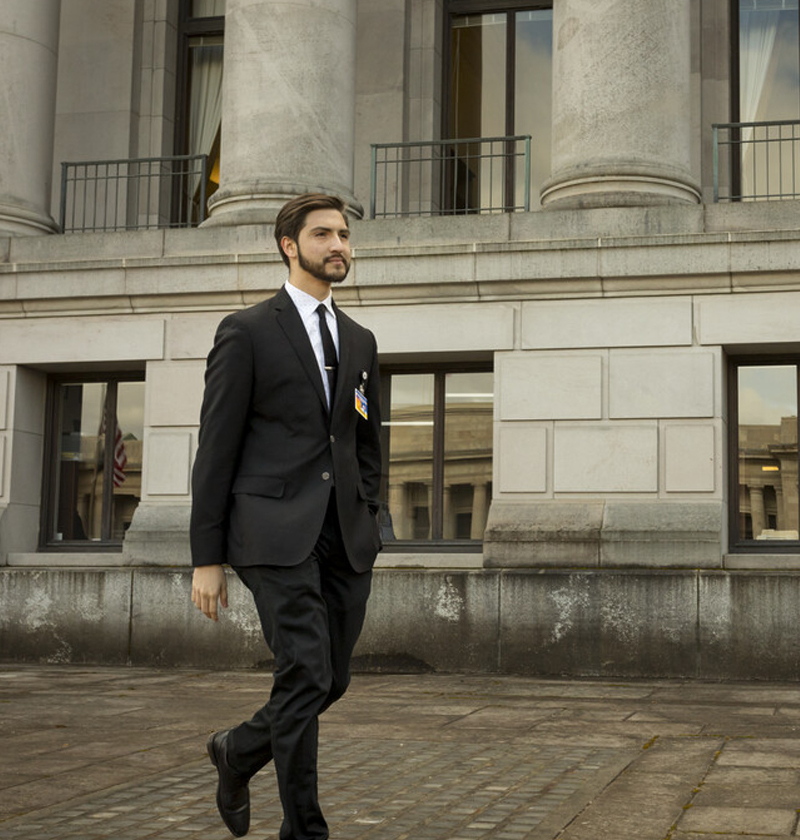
pixel 285 490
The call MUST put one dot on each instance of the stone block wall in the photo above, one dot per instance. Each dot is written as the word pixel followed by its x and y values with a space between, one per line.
pixel 608 623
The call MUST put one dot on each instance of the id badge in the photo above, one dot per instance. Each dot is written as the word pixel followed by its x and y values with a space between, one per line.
pixel 361 404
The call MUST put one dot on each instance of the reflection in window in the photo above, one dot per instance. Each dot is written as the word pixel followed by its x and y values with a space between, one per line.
pixel 769 90
pixel 467 454
pixel 767 452
pixel 500 85
pixel 438 435
pixel 97 464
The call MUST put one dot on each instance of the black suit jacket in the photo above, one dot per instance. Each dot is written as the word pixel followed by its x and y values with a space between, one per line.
pixel 269 452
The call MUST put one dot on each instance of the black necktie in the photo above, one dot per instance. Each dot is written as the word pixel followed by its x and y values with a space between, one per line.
pixel 328 349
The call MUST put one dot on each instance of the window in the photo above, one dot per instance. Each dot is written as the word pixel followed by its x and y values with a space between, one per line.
pixel 200 98
pixel 765 513
pixel 92 475
pixel 437 444
pixel 766 64
pixel 501 57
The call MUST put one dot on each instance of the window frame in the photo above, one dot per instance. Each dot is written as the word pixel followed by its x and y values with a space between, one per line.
pixel 736 543
pixel 509 8
pixel 188 27
pixel 454 8
pixel 437 543
pixel 51 452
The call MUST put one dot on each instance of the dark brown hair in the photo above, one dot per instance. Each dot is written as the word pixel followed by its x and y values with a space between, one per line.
pixel 292 216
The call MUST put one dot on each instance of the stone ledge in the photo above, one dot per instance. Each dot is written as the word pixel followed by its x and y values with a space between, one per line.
pixel 608 534
pixel 67 559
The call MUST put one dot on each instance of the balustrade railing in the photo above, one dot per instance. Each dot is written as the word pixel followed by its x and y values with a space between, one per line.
pixel 451 177
pixel 135 194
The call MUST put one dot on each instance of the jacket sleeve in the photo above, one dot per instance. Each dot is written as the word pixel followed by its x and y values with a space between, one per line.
pixel 223 423
pixel 368 440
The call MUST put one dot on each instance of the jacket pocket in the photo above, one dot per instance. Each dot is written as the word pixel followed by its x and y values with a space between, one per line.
pixel 259 485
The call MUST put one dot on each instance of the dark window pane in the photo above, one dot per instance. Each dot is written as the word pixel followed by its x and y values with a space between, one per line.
pixel 127 456
pixel 767 452
pixel 207 8
pixel 204 116
pixel 411 456
pixel 533 95
pixel 769 90
pixel 78 511
pixel 467 454
pixel 477 109
pixel 96 473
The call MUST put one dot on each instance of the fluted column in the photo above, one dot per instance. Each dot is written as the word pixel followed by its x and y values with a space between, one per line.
pixel 28 65
pixel 621 104
pixel 288 106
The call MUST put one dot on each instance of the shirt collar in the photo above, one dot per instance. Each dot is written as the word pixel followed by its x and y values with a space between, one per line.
pixel 305 302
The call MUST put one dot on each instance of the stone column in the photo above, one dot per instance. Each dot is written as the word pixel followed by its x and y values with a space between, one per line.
pixel 398 511
pixel 288 106
pixel 448 514
pixel 480 509
pixel 28 65
pixel 621 104
pixel 758 514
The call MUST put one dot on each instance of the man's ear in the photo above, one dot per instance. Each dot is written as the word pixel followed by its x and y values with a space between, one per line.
pixel 289 247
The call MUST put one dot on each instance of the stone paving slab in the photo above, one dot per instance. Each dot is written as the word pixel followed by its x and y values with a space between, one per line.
pixel 91 752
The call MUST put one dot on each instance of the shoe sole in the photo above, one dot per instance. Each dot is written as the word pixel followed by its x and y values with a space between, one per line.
pixel 211 749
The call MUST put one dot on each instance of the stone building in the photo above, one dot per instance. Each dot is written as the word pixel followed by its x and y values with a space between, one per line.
pixel 576 229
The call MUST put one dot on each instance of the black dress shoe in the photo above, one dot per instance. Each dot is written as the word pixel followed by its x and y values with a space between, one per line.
pixel 233 795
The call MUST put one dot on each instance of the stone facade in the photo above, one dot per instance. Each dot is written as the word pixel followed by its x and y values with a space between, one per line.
pixel 607 316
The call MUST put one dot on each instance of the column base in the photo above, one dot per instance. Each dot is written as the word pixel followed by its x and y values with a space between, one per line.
pixel 617 190
pixel 21 221
pixel 259 204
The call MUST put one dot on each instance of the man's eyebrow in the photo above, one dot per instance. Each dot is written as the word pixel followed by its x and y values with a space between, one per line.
pixel 329 229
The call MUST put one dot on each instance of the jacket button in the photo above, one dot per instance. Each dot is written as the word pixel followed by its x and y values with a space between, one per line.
pixel 326 476
pixel 333 438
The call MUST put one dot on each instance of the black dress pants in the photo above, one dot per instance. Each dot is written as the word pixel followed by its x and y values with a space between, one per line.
pixel 311 615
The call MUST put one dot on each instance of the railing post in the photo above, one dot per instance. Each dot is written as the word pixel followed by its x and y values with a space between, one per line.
pixel 715 152
pixel 527 192
pixel 203 176
pixel 373 187
pixel 62 213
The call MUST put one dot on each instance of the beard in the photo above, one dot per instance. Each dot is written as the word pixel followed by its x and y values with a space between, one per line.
pixel 325 270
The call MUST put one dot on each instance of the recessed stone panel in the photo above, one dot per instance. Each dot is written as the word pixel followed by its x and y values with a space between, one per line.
pixel 441 328
pixel 626 322
pixel 748 319
pixel 606 459
pixel 192 336
pixel 168 463
pixel 535 386
pixel 660 384
pixel 174 393
pixel 689 459
pixel 522 461
pixel 94 339
pixel 25 454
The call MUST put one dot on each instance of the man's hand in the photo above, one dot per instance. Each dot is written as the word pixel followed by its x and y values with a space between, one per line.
pixel 208 586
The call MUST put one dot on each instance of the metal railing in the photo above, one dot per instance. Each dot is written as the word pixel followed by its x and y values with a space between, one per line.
pixel 451 177
pixel 756 161
pixel 134 194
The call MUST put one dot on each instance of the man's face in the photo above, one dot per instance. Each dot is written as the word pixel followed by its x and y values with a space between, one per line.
pixel 323 246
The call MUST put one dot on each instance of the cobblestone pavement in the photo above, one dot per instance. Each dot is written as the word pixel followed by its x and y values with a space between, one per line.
pixel 91 752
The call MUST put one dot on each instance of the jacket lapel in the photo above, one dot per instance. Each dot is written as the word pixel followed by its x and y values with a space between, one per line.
pixel 292 324
pixel 344 377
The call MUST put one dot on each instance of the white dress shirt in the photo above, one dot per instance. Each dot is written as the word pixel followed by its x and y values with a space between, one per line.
pixel 306 305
